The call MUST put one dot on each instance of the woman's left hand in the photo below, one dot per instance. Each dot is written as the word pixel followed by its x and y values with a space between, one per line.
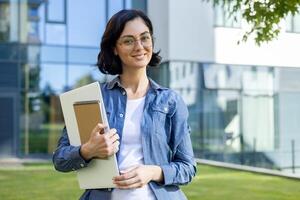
pixel 138 176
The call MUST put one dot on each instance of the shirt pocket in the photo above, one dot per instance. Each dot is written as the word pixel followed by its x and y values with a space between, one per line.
pixel 161 121
pixel 162 127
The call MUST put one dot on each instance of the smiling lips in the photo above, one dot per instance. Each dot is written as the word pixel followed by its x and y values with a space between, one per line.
pixel 139 56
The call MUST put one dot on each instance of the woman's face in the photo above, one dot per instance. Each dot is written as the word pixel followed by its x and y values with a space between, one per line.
pixel 134 46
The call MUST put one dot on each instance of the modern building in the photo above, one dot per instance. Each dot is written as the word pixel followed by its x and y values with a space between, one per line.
pixel 46 47
pixel 242 98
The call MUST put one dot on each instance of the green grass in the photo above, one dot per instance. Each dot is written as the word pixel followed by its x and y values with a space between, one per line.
pixel 43 183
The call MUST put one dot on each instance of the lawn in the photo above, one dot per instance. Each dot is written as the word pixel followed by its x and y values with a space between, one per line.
pixel 43 183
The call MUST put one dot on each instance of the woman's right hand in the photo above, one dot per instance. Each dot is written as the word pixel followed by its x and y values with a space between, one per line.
pixel 100 144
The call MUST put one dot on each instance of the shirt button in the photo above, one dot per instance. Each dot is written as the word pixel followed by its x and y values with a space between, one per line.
pixel 166 109
pixel 124 92
pixel 81 165
pixel 121 115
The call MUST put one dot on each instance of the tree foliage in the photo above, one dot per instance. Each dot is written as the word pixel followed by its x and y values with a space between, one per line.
pixel 263 16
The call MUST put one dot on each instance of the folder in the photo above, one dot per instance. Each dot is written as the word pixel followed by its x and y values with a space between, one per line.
pixel 82 109
pixel 88 115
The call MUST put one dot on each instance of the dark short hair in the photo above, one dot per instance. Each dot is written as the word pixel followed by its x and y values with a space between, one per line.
pixel 108 62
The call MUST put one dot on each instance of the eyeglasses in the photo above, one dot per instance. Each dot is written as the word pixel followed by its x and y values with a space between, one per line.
pixel 129 42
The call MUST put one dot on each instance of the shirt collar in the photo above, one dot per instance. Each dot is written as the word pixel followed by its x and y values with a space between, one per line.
pixel 116 81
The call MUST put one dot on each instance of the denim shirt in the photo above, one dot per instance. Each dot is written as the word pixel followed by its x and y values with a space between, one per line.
pixel 165 139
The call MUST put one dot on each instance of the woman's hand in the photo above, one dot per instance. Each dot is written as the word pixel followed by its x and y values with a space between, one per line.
pixel 100 144
pixel 138 176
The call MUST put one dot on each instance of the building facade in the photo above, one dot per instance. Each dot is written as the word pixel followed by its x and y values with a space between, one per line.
pixel 46 47
pixel 242 98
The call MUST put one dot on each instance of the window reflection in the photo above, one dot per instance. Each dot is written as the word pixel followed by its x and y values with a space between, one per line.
pixel 53 78
pixel 53 54
pixel 80 55
pixel 56 11
pixel 226 19
pixel 81 33
pixel 80 75
pixel 114 6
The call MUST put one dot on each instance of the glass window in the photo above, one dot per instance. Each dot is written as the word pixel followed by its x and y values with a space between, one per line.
pixel 4 22
pixel 287 79
pixel 258 80
pixel 223 17
pixel 114 6
pixel 40 133
pixel 9 52
pixel 289 23
pixel 33 53
pixel 55 11
pixel 55 34
pixel 293 23
pixel 78 55
pixel 53 53
pixel 86 22
pixel 222 76
pixel 258 121
pixel 80 75
pixel 9 21
pixel 220 120
pixel 139 4
pixel 219 15
pixel 296 23
pixel 53 78
pixel 128 4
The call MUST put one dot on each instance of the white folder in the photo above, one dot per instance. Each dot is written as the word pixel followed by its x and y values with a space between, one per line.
pixel 99 172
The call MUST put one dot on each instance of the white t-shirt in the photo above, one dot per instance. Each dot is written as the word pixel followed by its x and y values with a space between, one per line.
pixel 131 152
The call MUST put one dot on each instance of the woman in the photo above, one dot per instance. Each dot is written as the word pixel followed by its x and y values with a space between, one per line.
pixel 149 120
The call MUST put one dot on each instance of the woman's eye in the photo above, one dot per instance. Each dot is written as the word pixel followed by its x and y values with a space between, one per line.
pixel 145 38
pixel 128 41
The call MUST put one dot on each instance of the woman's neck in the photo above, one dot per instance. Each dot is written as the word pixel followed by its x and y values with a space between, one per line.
pixel 135 83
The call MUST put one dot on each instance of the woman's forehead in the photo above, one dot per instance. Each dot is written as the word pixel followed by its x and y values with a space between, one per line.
pixel 135 27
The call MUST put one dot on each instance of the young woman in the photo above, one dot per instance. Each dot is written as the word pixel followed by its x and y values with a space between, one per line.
pixel 154 154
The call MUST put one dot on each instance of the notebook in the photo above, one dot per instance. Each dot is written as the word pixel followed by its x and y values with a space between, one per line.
pixel 82 109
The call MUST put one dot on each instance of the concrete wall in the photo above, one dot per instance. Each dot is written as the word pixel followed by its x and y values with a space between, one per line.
pixel 186 31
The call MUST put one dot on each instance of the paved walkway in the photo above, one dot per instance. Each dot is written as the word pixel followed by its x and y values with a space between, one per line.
pixel 6 163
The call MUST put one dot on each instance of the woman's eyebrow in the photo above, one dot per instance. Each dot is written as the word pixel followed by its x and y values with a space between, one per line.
pixel 133 36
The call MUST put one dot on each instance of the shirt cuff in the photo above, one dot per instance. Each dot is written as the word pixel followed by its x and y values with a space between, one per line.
pixel 78 160
pixel 168 173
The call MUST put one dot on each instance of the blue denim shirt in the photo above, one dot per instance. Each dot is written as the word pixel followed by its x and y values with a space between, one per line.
pixel 165 140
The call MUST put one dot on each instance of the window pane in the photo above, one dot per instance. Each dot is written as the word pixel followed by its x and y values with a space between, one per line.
pixel 53 54
pixel 55 34
pixel 86 28
pixel 78 55
pixel 56 11
pixel 297 23
pixel 114 6
pixel 128 4
pixel 222 76
pixel 258 80
pixel 219 15
pixel 53 78
pixel 289 24
pixel 139 4
pixel 9 21
pixel 44 125
pixel 80 75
